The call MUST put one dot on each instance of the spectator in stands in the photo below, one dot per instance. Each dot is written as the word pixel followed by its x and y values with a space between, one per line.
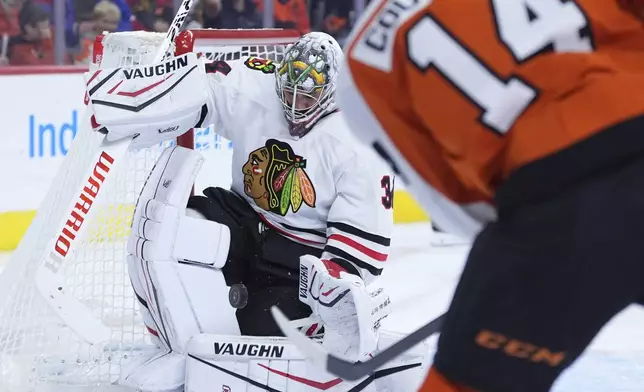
pixel 336 17
pixel 106 17
pixel 78 22
pixel 163 18
pixel 228 14
pixel 9 26
pixel 9 17
pixel 290 14
pixel 201 11
pixel 150 15
pixel 33 46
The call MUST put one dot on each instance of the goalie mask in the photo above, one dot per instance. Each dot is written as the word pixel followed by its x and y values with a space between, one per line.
pixel 306 80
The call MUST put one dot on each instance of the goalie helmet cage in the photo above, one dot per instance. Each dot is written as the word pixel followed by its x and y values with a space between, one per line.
pixel 38 352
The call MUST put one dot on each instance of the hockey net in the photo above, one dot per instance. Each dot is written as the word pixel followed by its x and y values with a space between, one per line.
pixel 38 352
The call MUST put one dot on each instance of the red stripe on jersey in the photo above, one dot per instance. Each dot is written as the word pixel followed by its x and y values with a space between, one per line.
pixel 358 246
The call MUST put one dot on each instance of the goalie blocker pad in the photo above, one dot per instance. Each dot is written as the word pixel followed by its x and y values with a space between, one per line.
pixel 247 363
pixel 152 102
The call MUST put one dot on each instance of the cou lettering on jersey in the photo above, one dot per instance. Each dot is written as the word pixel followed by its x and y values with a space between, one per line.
pixel 379 35
pixel 249 350
pixel 157 70
pixel 378 40
pixel 79 212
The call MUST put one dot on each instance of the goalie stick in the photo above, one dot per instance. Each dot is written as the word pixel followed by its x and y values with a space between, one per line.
pixel 48 278
pixel 348 370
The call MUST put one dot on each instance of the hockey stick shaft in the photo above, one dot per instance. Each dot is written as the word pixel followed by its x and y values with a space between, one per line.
pixel 362 369
pixel 175 27
pixel 345 369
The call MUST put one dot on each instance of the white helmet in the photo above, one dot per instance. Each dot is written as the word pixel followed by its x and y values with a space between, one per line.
pixel 306 80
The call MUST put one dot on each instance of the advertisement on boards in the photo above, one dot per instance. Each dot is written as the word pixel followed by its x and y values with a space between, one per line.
pixel 42 115
pixel 37 132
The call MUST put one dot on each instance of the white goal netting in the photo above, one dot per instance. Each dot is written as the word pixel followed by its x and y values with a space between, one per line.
pixel 38 352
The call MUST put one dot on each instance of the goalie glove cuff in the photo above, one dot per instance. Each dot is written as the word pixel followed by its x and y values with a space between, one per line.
pixel 349 312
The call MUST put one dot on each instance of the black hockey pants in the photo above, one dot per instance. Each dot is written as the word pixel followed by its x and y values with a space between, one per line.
pixel 266 262
pixel 541 282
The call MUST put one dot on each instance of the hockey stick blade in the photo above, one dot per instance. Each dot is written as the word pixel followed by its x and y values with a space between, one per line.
pixel 348 370
pixel 49 278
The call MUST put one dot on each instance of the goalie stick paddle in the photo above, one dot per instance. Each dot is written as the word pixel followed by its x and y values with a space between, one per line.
pixel 348 370
pixel 49 278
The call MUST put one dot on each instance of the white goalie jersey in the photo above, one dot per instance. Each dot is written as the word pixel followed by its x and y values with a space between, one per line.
pixel 324 190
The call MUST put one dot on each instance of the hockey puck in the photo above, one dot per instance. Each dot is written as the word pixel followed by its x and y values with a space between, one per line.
pixel 238 296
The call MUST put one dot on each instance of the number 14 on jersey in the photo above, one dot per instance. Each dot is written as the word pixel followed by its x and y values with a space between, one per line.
pixel 526 28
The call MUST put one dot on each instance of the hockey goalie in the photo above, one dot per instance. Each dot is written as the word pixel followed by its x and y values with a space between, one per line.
pixel 305 226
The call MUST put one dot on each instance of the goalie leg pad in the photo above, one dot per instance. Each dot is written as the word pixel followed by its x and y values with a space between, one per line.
pixel 140 291
pixel 163 372
pixel 191 300
pixel 161 229
pixel 163 234
pixel 179 298
pixel 162 237
pixel 406 372
pixel 246 363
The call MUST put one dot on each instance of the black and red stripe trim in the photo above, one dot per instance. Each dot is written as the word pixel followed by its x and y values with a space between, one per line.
pixel 142 106
pixel 378 239
pixel 358 262
pixel 311 383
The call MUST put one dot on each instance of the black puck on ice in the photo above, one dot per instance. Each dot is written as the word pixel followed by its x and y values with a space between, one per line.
pixel 238 296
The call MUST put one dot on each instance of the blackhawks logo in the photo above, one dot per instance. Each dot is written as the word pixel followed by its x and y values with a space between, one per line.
pixel 260 64
pixel 274 177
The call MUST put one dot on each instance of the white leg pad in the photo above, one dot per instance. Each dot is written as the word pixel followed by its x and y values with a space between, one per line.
pixel 162 231
pixel 417 361
pixel 245 363
pixel 134 270
pixel 173 259
pixel 193 300
pixel 163 372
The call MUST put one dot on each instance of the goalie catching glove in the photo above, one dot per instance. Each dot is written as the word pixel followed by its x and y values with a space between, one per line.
pixel 350 312
pixel 152 103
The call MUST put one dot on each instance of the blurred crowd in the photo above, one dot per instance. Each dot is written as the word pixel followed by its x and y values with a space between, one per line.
pixel 26 26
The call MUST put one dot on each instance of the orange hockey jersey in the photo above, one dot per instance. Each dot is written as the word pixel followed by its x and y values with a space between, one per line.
pixel 461 95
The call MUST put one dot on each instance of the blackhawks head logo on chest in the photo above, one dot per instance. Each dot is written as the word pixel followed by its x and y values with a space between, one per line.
pixel 275 178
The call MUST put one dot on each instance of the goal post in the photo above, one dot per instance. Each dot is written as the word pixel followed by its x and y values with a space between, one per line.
pixel 38 351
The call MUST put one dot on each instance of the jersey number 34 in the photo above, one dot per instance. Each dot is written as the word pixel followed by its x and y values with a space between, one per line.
pixel 526 28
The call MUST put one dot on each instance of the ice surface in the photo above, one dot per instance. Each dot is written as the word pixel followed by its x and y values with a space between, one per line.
pixel 423 279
